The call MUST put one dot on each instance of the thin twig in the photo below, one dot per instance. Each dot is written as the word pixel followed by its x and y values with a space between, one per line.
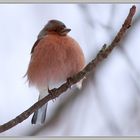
pixel 103 53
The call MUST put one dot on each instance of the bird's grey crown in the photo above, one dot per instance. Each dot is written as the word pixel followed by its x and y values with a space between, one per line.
pixel 52 25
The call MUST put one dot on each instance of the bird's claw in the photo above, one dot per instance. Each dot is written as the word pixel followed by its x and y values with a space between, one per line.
pixel 51 92
pixel 69 81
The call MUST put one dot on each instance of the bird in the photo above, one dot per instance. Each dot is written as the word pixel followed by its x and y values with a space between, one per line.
pixel 55 56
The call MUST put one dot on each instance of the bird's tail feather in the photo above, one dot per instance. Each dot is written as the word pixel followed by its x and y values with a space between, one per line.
pixel 40 115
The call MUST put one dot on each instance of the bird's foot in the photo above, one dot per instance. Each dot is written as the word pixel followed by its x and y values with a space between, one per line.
pixel 51 92
pixel 69 81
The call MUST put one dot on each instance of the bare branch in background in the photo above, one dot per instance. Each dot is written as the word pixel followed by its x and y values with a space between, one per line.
pixel 87 15
pixel 102 54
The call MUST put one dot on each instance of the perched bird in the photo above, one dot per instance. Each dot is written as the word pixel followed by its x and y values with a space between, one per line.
pixel 55 56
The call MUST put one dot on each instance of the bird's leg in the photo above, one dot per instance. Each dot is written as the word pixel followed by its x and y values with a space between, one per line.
pixel 69 79
pixel 52 94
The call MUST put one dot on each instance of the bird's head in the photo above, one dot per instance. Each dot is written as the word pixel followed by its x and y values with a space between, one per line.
pixel 54 26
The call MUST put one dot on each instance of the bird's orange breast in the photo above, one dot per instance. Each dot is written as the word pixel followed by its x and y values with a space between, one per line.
pixel 55 58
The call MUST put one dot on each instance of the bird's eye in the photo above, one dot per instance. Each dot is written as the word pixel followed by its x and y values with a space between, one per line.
pixel 63 26
pixel 56 29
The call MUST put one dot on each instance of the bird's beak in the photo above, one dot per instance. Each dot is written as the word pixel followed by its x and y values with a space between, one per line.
pixel 65 31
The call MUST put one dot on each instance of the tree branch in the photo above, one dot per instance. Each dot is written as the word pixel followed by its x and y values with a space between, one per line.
pixel 102 54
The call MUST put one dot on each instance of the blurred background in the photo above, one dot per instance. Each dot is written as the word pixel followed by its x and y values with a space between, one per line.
pixel 109 102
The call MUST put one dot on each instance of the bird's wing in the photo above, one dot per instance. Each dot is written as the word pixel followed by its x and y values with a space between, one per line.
pixel 35 44
pixel 32 50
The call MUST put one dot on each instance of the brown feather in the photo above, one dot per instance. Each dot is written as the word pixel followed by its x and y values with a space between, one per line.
pixel 55 58
pixel 35 44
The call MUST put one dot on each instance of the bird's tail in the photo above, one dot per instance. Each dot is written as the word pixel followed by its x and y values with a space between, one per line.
pixel 40 115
